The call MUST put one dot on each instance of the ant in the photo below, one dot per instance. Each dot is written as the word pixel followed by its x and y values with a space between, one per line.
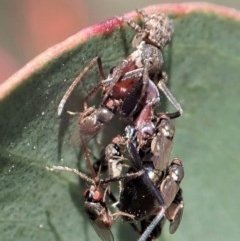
pixel 129 89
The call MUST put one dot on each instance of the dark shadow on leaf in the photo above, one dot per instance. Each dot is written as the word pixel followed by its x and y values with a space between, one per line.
pixel 54 231
pixel 73 104
pixel 126 232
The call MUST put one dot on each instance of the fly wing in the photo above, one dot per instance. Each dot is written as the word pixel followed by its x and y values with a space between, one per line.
pixel 169 189
pixel 80 138
pixel 103 232
pixel 90 123
pixel 82 133
pixel 176 221
pixel 175 207
pixel 175 212
pixel 161 145
pixel 161 149
pixel 100 219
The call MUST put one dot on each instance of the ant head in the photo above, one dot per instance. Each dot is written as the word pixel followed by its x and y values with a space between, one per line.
pixel 157 30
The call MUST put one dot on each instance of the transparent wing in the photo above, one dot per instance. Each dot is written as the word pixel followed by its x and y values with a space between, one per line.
pixel 104 233
pixel 169 189
pixel 161 145
pixel 100 219
pixel 176 209
pixel 89 125
pixel 176 221
pixel 161 150
pixel 80 137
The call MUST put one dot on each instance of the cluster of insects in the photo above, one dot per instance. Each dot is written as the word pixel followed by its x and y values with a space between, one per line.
pixel 138 159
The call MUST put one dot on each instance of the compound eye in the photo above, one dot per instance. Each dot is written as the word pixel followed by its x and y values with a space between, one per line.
pixel 97 196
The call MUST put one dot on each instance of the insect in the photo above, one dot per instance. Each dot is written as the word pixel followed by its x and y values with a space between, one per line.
pixel 157 190
pixel 175 211
pixel 114 159
pixel 152 196
pixel 152 226
pixel 95 201
pixel 129 89
pixel 94 204
pixel 150 190
pixel 162 142
pixel 155 137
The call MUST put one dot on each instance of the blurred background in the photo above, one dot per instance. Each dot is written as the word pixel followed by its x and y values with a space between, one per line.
pixel 29 27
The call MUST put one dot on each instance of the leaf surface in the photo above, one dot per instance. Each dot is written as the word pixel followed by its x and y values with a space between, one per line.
pixel 203 63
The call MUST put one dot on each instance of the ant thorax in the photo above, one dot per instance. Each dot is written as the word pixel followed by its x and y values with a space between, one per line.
pixel 148 56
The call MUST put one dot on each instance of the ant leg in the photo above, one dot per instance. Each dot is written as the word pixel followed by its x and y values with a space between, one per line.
pixel 173 115
pixel 143 14
pixel 162 86
pixel 132 24
pixel 145 82
pixel 77 81
pixel 88 162
pixel 152 225
pixel 141 33
pixel 117 73
pixel 136 73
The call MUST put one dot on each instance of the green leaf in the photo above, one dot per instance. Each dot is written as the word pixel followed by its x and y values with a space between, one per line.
pixel 203 63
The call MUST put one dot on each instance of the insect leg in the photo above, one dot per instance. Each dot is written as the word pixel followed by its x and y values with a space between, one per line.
pixel 162 86
pixel 75 171
pixel 118 71
pixel 152 225
pixel 77 81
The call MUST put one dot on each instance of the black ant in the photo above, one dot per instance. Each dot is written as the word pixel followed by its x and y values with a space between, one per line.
pixel 129 89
